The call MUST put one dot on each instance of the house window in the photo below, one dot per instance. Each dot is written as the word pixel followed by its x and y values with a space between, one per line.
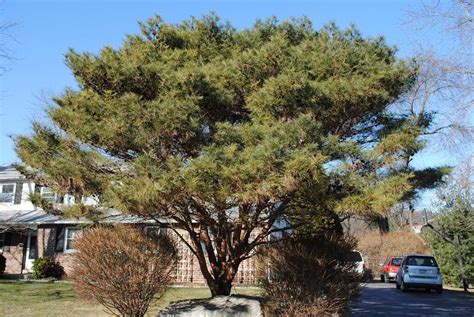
pixel 7 193
pixel 70 235
pixel 155 231
pixel 48 194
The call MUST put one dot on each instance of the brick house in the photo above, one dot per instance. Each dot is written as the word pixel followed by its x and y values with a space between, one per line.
pixel 28 232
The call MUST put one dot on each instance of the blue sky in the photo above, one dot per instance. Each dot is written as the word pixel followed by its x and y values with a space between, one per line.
pixel 46 29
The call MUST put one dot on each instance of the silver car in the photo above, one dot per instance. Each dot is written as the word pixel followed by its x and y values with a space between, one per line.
pixel 419 271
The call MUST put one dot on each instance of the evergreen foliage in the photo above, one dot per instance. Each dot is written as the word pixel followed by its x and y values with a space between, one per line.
pixel 225 131
pixel 456 219
pixel 46 267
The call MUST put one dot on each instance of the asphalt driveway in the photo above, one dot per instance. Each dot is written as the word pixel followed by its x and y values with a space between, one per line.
pixel 384 299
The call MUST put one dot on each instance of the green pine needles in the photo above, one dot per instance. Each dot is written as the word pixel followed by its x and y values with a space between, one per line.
pixel 224 131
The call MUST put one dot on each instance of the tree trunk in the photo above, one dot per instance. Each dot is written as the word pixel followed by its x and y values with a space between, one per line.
pixel 382 223
pixel 220 287
pixel 221 284
pixel 411 210
pixel 218 274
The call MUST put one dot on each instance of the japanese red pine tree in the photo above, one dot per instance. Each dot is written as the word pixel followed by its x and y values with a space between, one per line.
pixel 223 131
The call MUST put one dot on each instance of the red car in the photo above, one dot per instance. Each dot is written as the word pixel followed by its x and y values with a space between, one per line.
pixel 389 269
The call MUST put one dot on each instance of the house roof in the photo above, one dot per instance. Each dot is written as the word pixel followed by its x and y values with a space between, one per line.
pixel 8 173
pixel 37 216
pixel 40 217
pixel 30 217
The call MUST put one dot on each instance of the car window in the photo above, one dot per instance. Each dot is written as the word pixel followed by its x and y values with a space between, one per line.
pixel 421 261
pixel 396 262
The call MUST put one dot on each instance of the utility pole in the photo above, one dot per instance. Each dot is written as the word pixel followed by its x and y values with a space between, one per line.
pixel 457 246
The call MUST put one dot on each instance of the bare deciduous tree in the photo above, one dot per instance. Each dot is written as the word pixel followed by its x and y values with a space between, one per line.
pixel 445 82
pixel 460 185
pixel 446 70
pixel 6 55
pixel 456 16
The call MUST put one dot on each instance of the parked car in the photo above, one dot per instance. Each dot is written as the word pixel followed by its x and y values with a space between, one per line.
pixel 390 268
pixel 419 271
pixel 359 262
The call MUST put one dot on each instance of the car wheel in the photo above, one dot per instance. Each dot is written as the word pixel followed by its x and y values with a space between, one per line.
pixel 382 278
pixel 403 287
pixel 439 290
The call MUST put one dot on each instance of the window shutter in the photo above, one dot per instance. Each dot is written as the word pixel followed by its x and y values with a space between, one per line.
pixel 6 243
pixel 18 192
pixel 60 239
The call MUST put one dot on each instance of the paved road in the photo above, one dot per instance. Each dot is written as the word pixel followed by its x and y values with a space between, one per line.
pixel 384 299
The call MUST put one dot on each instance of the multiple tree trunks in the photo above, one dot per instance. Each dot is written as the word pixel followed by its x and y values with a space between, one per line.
pixel 219 278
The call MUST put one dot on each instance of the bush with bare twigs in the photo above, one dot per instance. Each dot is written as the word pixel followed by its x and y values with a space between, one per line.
pixel 310 276
pixel 122 268
pixel 378 247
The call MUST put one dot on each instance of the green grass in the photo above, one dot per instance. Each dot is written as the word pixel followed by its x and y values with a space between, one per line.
pixel 43 299
pixel 58 299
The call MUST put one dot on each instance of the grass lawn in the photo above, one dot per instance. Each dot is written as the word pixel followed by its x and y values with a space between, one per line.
pixel 58 299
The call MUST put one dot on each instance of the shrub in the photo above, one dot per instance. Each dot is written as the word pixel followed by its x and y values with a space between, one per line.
pixel 46 267
pixel 3 264
pixel 122 268
pixel 378 247
pixel 310 276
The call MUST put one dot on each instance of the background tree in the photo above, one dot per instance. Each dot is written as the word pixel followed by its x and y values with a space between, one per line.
pixel 446 62
pixel 445 84
pixel 224 132
pixel 456 223
pixel 6 37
